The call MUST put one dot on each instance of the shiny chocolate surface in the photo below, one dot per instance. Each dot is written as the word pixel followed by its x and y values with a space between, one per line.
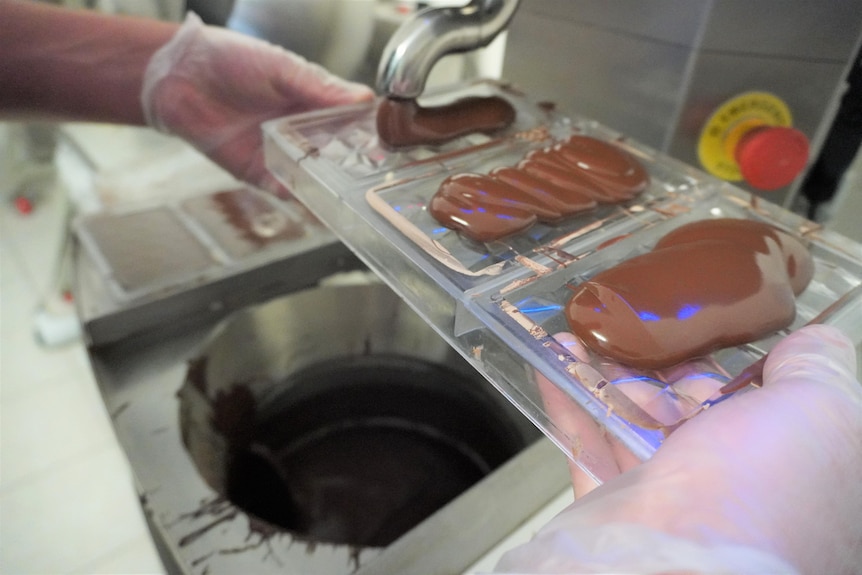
pixel 548 185
pixel 707 285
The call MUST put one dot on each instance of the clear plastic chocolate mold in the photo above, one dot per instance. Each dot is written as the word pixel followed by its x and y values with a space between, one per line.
pixel 501 303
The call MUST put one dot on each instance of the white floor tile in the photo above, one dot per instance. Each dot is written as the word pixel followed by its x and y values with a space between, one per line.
pixel 8 258
pixel 37 237
pixel 63 521
pixel 57 423
pixel 24 364
pixel 138 557
pixel 16 289
pixel 67 502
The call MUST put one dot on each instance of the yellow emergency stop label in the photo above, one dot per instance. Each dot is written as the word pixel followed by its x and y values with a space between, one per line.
pixel 716 148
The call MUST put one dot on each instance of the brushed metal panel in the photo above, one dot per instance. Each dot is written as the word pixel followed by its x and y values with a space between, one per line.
pixel 630 83
pixel 806 29
pixel 672 21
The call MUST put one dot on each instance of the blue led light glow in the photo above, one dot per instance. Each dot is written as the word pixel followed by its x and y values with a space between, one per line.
pixel 636 378
pixel 541 308
pixel 687 311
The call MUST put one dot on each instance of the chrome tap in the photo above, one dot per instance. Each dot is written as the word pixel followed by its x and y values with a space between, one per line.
pixel 431 34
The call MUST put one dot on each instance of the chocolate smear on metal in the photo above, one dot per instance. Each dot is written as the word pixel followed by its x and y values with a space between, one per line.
pixel 257 221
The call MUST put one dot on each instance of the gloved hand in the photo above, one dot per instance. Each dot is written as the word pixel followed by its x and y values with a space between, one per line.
pixel 213 88
pixel 769 481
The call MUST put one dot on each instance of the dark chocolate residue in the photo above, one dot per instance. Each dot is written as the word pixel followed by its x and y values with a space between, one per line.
pixel 234 412
pixel 257 221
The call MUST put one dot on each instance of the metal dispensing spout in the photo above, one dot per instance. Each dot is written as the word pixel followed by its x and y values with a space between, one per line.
pixel 431 34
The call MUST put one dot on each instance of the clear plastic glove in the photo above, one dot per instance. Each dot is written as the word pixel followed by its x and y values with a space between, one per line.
pixel 213 88
pixel 769 481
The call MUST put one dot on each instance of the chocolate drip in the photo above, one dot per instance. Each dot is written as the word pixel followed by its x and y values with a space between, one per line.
pixel 705 286
pixel 403 123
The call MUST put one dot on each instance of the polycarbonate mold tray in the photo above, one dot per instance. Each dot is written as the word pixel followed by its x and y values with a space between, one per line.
pixel 501 304
pixel 653 402
pixel 145 251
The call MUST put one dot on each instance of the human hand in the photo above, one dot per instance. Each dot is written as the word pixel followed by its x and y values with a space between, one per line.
pixel 767 481
pixel 213 88
pixel 659 402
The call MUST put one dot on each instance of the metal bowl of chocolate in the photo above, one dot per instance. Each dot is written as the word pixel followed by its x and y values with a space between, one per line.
pixel 338 415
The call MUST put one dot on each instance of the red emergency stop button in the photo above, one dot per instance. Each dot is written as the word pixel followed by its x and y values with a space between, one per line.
pixel 770 157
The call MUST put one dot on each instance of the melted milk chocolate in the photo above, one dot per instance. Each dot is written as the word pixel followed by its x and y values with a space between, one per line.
pixel 475 220
pixel 759 237
pixel 564 177
pixel 596 168
pixel 495 191
pixel 402 123
pixel 548 185
pixel 705 286
pixel 564 202
pixel 618 174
